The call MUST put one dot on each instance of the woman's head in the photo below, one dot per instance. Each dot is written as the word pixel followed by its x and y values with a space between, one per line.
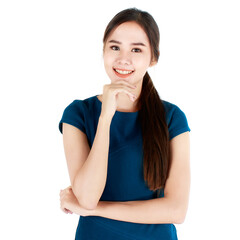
pixel 131 43
pixel 144 19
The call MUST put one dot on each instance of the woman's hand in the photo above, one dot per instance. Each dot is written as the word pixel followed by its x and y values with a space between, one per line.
pixel 109 98
pixel 70 204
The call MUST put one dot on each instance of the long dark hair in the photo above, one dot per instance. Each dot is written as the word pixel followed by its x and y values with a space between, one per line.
pixel 152 113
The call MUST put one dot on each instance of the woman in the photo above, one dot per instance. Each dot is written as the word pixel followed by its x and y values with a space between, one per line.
pixel 127 150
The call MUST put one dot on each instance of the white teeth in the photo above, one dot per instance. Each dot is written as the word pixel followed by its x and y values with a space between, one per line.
pixel 123 72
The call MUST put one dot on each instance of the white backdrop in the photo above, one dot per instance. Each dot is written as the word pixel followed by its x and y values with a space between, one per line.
pixel 51 54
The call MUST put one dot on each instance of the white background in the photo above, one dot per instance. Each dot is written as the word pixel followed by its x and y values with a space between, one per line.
pixel 51 54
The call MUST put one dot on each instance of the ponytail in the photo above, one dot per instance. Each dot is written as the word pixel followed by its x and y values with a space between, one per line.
pixel 155 136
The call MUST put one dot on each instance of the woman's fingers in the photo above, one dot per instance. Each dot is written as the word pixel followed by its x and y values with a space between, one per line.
pixel 66 189
pixel 67 211
pixel 131 95
pixel 126 83
pixel 123 86
pixel 62 194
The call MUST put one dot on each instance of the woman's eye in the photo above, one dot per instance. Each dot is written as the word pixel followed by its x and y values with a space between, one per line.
pixel 136 50
pixel 115 48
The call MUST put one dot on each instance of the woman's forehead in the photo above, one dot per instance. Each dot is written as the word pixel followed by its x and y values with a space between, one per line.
pixel 129 32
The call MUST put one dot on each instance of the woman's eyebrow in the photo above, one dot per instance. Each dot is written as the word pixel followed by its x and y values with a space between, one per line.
pixel 135 44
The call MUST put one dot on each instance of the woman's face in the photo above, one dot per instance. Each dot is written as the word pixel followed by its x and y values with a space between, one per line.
pixel 127 53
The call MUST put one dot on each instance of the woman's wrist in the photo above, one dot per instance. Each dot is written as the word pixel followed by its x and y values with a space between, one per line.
pixel 98 210
pixel 105 119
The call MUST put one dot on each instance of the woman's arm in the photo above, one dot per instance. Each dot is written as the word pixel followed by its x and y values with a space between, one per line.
pixel 172 208
pixel 87 168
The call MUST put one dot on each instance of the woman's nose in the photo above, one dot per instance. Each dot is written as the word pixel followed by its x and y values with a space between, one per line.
pixel 124 58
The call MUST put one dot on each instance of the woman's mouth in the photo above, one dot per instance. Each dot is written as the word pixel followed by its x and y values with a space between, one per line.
pixel 123 73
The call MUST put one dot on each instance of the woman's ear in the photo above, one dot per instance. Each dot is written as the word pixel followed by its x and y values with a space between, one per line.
pixel 152 63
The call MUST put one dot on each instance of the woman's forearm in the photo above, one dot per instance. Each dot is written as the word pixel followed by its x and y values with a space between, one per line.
pixel 90 181
pixel 152 211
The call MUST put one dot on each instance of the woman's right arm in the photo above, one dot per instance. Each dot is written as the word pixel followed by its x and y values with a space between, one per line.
pixel 87 168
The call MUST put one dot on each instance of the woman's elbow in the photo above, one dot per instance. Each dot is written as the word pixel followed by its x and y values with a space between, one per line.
pixel 85 202
pixel 180 215
pixel 179 220
pixel 88 205
pixel 83 199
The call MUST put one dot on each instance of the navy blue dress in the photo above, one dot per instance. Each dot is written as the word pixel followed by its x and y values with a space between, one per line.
pixel 125 181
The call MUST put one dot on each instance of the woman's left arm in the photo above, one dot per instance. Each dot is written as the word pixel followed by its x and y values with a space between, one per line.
pixel 171 208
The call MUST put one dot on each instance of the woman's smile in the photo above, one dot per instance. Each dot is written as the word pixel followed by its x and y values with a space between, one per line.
pixel 123 73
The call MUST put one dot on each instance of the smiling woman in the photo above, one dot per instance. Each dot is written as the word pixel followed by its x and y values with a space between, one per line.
pixel 126 55
pixel 127 150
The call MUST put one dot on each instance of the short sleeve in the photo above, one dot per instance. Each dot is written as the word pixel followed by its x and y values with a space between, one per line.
pixel 178 123
pixel 74 115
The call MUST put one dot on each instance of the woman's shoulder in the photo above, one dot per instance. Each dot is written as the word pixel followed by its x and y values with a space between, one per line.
pixel 78 112
pixel 170 107
pixel 84 103
pixel 176 119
